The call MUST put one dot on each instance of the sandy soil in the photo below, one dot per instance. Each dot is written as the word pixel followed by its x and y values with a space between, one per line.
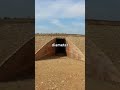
pixel 93 84
pixel 59 73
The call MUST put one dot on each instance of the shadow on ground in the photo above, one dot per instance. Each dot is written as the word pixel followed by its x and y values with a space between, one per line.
pixel 52 57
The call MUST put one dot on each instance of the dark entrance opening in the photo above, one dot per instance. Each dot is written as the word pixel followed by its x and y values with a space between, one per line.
pixel 60 50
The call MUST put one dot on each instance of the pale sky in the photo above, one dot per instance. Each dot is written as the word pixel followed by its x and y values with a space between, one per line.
pixel 60 16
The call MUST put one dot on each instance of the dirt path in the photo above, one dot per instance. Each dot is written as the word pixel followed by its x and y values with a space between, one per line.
pixel 60 73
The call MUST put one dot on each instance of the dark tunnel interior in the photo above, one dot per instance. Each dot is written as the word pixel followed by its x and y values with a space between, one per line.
pixel 60 51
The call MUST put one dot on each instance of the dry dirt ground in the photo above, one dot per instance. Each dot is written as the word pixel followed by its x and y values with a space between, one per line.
pixel 18 85
pixel 59 73
pixel 12 36
pixel 94 84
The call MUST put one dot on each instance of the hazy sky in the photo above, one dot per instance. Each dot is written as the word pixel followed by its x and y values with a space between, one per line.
pixel 103 9
pixel 60 16
pixel 17 8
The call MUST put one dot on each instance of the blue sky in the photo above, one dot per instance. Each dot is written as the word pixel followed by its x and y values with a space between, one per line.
pixel 60 16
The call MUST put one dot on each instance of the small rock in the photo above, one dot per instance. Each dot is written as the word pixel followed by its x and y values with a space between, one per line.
pixel 62 81
pixel 41 82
